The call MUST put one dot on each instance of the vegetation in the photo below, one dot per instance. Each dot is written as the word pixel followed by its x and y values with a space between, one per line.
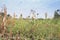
pixel 57 14
pixel 30 29
pixel 37 29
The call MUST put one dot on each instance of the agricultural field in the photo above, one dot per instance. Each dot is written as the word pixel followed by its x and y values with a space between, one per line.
pixel 34 29
pixel 29 19
pixel 12 28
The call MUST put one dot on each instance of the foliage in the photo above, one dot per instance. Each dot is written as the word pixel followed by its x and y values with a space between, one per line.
pixel 37 29
pixel 57 14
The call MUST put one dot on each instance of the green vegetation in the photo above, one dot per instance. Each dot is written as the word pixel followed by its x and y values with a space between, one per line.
pixel 38 30
pixel 31 29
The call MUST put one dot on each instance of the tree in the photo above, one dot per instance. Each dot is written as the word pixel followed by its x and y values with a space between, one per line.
pixel 2 14
pixel 45 15
pixel 33 14
pixel 57 14
pixel 21 16
pixel 37 15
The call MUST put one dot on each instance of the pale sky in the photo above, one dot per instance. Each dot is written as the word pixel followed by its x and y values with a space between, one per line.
pixel 24 7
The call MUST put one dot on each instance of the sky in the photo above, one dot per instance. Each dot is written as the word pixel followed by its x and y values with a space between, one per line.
pixel 25 6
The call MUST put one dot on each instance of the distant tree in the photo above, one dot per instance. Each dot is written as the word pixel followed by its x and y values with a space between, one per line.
pixel 2 14
pixel 14 15
pixel 45 15
pixel 28 17
pixel 57 14
pixel 37 14
pixel 8 15
pixel 33 14
pixel 20 16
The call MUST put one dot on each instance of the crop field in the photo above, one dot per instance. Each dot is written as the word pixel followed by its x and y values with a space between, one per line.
pixel 33 29
pixel 29 19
